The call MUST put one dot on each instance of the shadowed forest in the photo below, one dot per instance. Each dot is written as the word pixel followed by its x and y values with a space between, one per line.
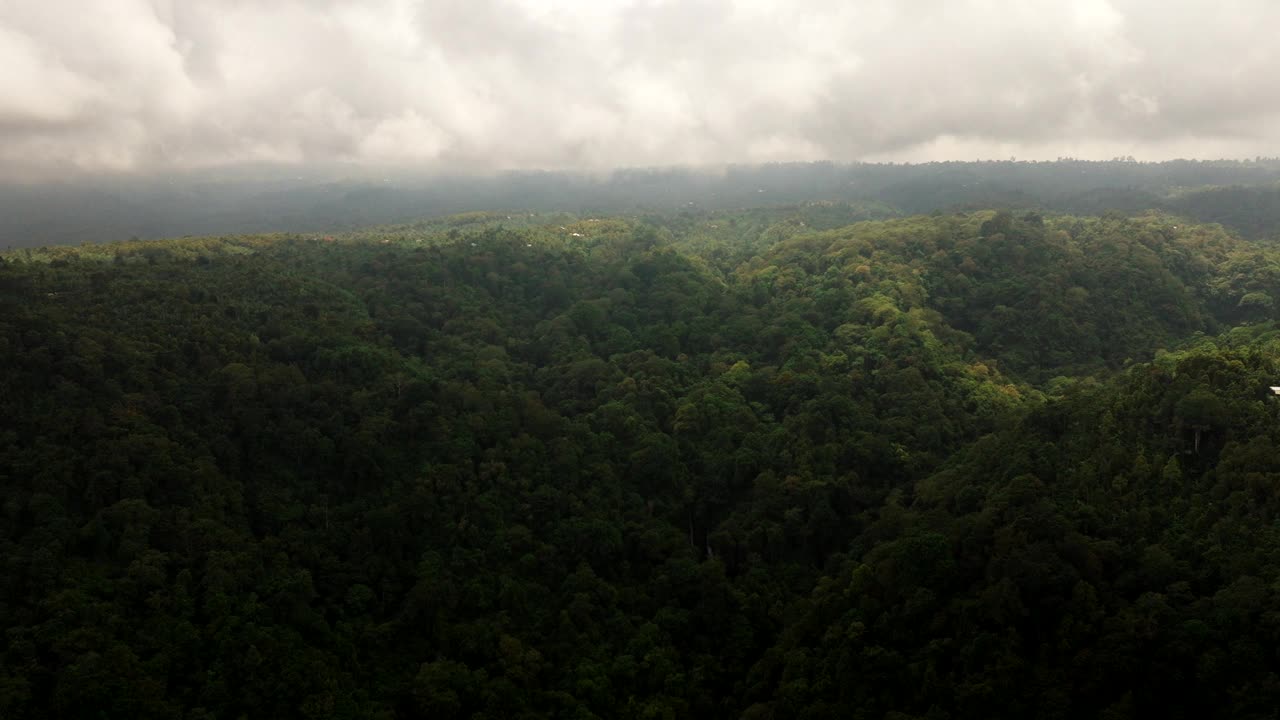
pixel 826 460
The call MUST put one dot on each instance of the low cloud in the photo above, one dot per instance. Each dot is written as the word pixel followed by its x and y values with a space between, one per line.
pixel 476 85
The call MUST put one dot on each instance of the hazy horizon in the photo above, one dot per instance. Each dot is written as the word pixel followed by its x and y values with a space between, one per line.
pixel 357 172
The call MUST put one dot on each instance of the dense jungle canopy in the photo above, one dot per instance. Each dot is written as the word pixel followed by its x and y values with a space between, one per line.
pixel 811 461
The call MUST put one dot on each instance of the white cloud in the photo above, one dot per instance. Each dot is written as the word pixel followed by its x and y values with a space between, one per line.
pixel 491 84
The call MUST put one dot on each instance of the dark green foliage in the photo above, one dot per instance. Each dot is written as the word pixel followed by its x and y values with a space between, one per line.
pixel 722 465
pixel 1252 210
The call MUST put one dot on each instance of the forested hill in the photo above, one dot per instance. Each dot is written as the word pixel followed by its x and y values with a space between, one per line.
pixel 725 465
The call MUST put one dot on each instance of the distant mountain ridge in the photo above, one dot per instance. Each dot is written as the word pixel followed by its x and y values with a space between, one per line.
pixel 1241 194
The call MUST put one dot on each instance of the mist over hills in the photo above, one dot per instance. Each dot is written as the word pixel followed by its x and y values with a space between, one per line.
pixel 1240 194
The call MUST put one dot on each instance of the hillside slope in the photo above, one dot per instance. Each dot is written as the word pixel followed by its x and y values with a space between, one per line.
pixel 954 466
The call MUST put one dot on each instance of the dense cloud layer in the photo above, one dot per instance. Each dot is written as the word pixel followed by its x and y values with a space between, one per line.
pixel 497 84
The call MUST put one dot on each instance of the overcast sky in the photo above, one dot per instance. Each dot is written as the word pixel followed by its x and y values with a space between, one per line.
pixel 104 85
